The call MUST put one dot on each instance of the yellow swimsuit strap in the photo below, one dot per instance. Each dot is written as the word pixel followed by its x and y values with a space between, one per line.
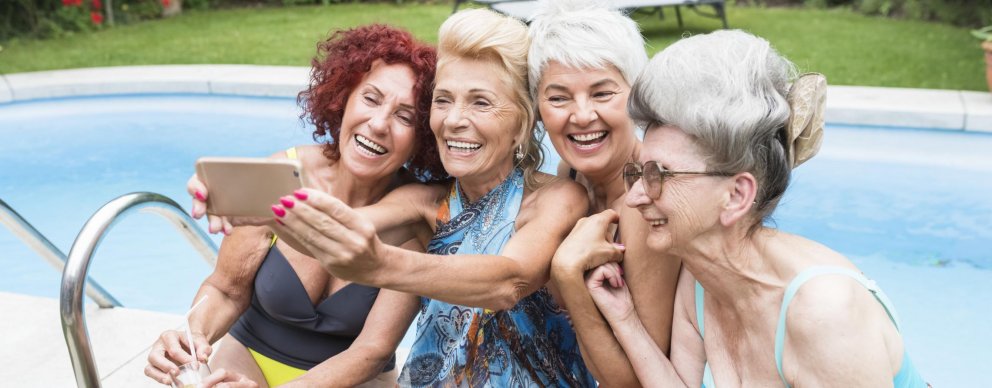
pixel 292 154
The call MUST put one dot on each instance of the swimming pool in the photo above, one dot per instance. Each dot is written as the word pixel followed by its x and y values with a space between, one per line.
pixel 909 207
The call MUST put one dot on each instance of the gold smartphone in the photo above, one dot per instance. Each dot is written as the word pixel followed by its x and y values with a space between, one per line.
pixel 247 187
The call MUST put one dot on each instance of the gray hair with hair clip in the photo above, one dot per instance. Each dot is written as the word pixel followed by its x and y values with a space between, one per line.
pixel 730 91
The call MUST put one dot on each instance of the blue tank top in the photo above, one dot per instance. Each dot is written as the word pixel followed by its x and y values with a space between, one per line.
pixel 907 377
pixel 530 345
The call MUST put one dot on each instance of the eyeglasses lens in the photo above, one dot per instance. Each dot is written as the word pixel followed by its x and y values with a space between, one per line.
pixel 631 173
pixel 653 179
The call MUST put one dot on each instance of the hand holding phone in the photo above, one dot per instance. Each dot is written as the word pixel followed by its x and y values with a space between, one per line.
pixel 247 187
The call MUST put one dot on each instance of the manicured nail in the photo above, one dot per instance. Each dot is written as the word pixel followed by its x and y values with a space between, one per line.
pixel 280 222
pixel 278 211
pixel 300 194
pixel 200 195
pixel 287 202
pixel 619 246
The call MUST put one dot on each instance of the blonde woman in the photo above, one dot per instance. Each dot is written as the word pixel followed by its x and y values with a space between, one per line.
pixel 487 318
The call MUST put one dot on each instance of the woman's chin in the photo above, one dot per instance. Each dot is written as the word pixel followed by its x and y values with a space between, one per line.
pixel 659 241
pixel 365 169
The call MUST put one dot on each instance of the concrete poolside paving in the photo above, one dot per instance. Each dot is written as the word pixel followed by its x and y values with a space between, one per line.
pixel 33 351
pixel 35 354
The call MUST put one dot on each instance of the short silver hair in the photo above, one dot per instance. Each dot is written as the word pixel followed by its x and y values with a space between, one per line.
pixel 584 33
pixel 727 90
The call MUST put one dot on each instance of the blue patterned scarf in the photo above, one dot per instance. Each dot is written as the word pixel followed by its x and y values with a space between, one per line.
pixel 530 345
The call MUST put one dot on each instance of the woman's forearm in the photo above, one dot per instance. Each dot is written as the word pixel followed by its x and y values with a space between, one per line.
pixel 652 367
pixel 215 316
pixel 229 288
pixel 600 349
pixel 488 281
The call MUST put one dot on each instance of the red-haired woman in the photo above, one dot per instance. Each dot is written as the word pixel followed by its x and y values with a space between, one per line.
pixel 282 317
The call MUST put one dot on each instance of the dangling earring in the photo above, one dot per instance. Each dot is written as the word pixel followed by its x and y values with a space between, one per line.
pixel 520 152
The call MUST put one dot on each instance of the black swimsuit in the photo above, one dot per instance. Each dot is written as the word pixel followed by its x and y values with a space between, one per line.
pixel 283 325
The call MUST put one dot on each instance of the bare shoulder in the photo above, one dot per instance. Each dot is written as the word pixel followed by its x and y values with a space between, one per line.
pixel 311 156
pixel 831 306
pixel 430 193
pixel 685 296
pixel 553 200
pixel 554 188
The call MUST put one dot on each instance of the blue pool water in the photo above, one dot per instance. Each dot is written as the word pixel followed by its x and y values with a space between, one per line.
pixel 910 207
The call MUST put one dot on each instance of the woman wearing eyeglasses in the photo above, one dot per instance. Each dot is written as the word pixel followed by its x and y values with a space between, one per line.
pixel 583 59
pixel 754 306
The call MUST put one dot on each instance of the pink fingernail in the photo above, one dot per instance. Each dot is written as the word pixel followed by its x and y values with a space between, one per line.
pixel 200 195
pixel 300 194
pixel 278 211
pixel 287 202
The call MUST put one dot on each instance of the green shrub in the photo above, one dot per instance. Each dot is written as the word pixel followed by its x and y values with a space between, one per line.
pixel 131 11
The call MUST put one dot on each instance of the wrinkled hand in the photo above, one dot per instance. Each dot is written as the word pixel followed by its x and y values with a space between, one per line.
pixel 222 378
pixel 343 240
pixel 172 350
pixel 216 224
pixel 589 245
pixel 609 292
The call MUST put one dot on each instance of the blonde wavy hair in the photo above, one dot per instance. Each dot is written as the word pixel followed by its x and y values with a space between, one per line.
pixel 480 34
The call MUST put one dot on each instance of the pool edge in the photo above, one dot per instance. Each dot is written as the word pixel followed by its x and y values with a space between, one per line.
pixel 951 110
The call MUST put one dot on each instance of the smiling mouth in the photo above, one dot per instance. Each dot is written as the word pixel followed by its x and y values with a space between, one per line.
pixel 588 140
pixel 462 147
pixel 369 147
pixel 658 222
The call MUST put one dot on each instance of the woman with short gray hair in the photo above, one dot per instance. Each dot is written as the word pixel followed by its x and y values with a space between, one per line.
pixel 754 305
pixel 583 59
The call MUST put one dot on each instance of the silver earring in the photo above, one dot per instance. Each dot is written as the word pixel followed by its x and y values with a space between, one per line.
pixel 520 152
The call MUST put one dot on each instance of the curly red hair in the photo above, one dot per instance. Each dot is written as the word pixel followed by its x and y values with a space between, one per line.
pixel 341 62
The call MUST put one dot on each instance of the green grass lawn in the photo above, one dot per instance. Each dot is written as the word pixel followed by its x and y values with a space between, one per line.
pixel 851 49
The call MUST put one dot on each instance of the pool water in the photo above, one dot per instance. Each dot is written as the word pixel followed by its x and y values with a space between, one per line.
pixel 909 207
pixel 63 159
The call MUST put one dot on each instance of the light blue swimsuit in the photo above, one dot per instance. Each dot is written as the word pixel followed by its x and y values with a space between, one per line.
pixel 907 377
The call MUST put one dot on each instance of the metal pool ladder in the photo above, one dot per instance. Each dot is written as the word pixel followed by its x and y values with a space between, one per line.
pixel 89 238
pixel 48 251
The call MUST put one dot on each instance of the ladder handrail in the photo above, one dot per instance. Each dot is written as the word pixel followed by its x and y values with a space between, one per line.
pixel 89 238
pixel 48 251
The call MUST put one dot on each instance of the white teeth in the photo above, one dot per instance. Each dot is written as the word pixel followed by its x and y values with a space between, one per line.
pixel 371 145
pixel 658 222
pixel 463 145
pixel 589 136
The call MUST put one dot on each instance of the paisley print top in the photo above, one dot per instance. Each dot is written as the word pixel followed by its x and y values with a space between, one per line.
pixel 530 345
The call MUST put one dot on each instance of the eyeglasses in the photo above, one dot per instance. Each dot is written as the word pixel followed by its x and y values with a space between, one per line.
pixel 653 176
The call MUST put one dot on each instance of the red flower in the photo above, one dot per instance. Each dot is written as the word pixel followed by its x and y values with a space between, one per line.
pixel 72 3
pixel 165 3
pixel 96 17
pixel 96 4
